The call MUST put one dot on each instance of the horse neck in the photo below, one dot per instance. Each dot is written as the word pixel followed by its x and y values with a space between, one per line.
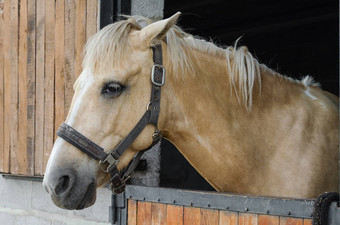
pixel 203 118
pixel 196 109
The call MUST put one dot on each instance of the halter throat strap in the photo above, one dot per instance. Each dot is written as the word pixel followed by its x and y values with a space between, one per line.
pixel 108 161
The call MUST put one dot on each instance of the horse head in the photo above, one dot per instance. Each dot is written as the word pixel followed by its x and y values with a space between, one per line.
pixel 110 96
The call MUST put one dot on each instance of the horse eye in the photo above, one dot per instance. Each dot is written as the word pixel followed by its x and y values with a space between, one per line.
pixel 112 89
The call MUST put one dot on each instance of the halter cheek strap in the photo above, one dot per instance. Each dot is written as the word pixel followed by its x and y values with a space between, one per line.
pixel 108 161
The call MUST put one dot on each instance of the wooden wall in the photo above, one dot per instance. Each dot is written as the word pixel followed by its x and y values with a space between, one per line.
pixel 41 44
pixel 150 213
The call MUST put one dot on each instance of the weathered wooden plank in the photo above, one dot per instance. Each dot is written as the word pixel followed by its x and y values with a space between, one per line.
pixel 209 217
pixel 290 221
pixel 192 215
pixel 268 220
pixel 31 15
pixel 30 86
pixel 247 219
pixel 132 212
pixel 80 34
pixel 68 72
pixel 174 215
pixel 307 222
pixel 143 213
pixel 14 155
pixel 91 18
pixel 7 86
pixel 60 43
pixel 49 79
pixel 22 154
pixel 1 86
pixel 40 96
pixel 158 214
pixel 228 218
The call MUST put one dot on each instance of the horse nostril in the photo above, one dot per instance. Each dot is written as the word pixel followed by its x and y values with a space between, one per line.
pixel 62 185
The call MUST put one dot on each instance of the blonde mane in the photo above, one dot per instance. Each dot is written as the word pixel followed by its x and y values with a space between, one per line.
pixel 110 46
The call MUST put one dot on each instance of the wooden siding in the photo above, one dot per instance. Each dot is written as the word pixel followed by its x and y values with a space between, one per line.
pixel 41 44
pixel 143 212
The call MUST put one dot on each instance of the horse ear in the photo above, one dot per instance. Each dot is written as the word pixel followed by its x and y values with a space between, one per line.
pixel 158 29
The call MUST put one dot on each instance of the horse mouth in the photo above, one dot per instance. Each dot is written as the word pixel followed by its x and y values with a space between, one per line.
pixel 89 197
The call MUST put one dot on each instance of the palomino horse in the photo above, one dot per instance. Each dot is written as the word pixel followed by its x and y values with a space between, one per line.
pixel 244 127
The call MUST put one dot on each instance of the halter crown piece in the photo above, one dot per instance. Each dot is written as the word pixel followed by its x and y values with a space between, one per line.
pixel 108 161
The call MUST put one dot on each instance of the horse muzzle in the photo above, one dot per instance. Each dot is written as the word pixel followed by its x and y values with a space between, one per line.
pixel 68 191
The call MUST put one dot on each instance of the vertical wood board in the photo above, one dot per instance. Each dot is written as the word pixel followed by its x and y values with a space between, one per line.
pixel 49 80
pixel 248 219
pixel 269 220
pixel 290 221
pixel 14 95
pixel 209 217
pixel 2 85
pixel 7 86
pixel 192 215
pixel 68 73
pixel 60 42
pixel 158 214
pixel 132 212
pixel 143 213
pixel 228 218
pixel 23 157
pixel 80 35
pixel 40 90
pixel 31 18
pixel 174 215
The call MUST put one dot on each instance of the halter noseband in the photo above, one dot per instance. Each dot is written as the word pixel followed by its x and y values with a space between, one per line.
pixel 108 161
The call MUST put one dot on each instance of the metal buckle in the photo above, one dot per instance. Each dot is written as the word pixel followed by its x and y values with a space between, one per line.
pixel 153 75
pixel 110 160
pixel 157 135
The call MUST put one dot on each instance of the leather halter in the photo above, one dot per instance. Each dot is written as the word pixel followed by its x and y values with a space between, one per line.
pixel 108 161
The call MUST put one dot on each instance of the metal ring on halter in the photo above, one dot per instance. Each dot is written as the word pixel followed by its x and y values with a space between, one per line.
pixel 110 160
pixel 148 106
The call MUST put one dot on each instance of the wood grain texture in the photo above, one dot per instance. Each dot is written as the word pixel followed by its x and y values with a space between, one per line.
pixel 307 221
pixel 268 220
pixel 40 90
pixel 192 215
pixel 209 217
pixel 41 45
pixel 228 218
pixel 30 82
pixel 174 215
pixel 49 80
pixel 14 30
pixel 132 212
pixel 247 219
pixel 80 34
pixel 25 166
pixel 1 85
pixel 91 18
pixel 7 86
pixel 69 61
pixel 143 213
pixel 158 214
pixel 290 221
pixel 59 95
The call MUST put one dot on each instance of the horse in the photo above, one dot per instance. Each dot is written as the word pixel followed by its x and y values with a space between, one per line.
pixel 244 127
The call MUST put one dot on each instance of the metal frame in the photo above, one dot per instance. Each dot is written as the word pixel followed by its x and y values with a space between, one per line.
pixel 299 208
pixel 22 177
pixel 334 215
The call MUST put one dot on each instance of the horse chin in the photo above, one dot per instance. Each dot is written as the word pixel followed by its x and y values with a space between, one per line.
pixel 74 200
pixel 89 197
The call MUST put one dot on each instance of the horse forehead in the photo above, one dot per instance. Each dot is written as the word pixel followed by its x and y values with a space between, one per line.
pixel 85 79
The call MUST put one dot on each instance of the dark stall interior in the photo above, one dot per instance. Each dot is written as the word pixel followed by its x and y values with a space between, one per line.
pixel 295 38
